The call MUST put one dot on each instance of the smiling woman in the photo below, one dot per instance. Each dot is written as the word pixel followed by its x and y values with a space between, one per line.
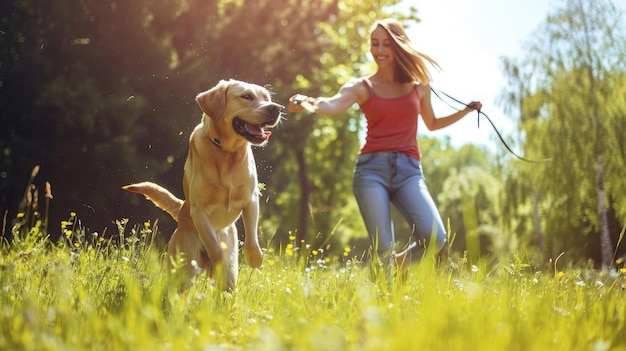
pixel 390 45
pixel 388 169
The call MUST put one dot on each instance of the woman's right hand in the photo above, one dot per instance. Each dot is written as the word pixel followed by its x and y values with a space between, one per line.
pixel 295 103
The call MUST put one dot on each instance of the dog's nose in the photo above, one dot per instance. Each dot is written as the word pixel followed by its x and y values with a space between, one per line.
pixel 275 108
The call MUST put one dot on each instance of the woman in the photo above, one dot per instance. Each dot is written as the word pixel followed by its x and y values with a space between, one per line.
pixel 388 168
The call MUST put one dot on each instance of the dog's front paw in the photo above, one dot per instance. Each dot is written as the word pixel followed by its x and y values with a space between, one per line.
pixel 253 256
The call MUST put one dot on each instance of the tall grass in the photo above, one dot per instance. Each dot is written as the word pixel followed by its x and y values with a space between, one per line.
pixel 84 292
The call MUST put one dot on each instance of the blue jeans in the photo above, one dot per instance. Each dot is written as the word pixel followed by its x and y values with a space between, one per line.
pixel 391 177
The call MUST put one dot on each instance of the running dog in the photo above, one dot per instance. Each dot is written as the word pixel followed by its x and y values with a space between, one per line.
pixel 219 183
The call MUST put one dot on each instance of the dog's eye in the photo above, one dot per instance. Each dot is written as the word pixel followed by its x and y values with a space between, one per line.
pixel 247 97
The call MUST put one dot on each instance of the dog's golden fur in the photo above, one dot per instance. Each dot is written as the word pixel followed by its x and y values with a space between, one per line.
pixel 220 182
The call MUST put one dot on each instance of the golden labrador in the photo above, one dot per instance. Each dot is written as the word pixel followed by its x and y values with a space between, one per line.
pixel 220 182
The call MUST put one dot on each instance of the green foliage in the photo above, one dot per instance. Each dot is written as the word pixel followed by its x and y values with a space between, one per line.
pixel 465 183
pixel 317 154
pixel 564 91
pixel 100 94
pixel 118 295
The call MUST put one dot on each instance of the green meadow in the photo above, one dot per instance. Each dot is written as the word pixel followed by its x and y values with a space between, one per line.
pixel 83 292
pixel 101 94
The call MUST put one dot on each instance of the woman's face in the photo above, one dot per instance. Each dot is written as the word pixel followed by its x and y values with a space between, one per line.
pixel 381 47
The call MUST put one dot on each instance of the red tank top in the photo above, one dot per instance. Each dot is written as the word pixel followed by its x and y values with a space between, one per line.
pixel 391 123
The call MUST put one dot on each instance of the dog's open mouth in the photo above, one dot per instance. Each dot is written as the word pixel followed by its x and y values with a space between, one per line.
pixel 254 133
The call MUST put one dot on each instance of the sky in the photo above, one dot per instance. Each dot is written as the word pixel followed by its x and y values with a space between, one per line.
pixel 468 38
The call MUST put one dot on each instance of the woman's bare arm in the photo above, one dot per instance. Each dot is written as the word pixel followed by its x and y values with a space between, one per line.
pixel 428 115
pixel 349 94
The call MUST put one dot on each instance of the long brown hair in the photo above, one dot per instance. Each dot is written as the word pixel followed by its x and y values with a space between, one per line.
pixel 411 64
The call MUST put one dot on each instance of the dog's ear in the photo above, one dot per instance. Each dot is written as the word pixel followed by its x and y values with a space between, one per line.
pixel 213 101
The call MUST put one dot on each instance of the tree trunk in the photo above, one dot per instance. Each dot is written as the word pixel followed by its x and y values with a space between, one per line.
pixel 538 229
pixel 304 213
pixel 605 237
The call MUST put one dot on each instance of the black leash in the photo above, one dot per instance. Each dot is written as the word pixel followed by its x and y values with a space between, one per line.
pixel 492 125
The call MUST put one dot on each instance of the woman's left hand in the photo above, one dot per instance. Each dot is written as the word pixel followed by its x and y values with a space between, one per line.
pixel 475 105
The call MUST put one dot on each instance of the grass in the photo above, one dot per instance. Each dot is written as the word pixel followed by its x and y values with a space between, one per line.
pixel 86 293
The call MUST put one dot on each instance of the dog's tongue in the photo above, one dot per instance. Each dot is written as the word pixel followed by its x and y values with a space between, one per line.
pixel 256 129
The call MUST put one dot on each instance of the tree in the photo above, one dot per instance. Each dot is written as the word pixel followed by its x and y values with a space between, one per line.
pixel 322 151
pixel 101 93
pixel 520 208
pixel 571 71
pixel 465 184
pixel 72 95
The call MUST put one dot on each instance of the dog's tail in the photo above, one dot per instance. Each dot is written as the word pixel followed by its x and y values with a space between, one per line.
pixel 161 197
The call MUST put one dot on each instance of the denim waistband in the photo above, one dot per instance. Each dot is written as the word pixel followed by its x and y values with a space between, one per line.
pixel 387 154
